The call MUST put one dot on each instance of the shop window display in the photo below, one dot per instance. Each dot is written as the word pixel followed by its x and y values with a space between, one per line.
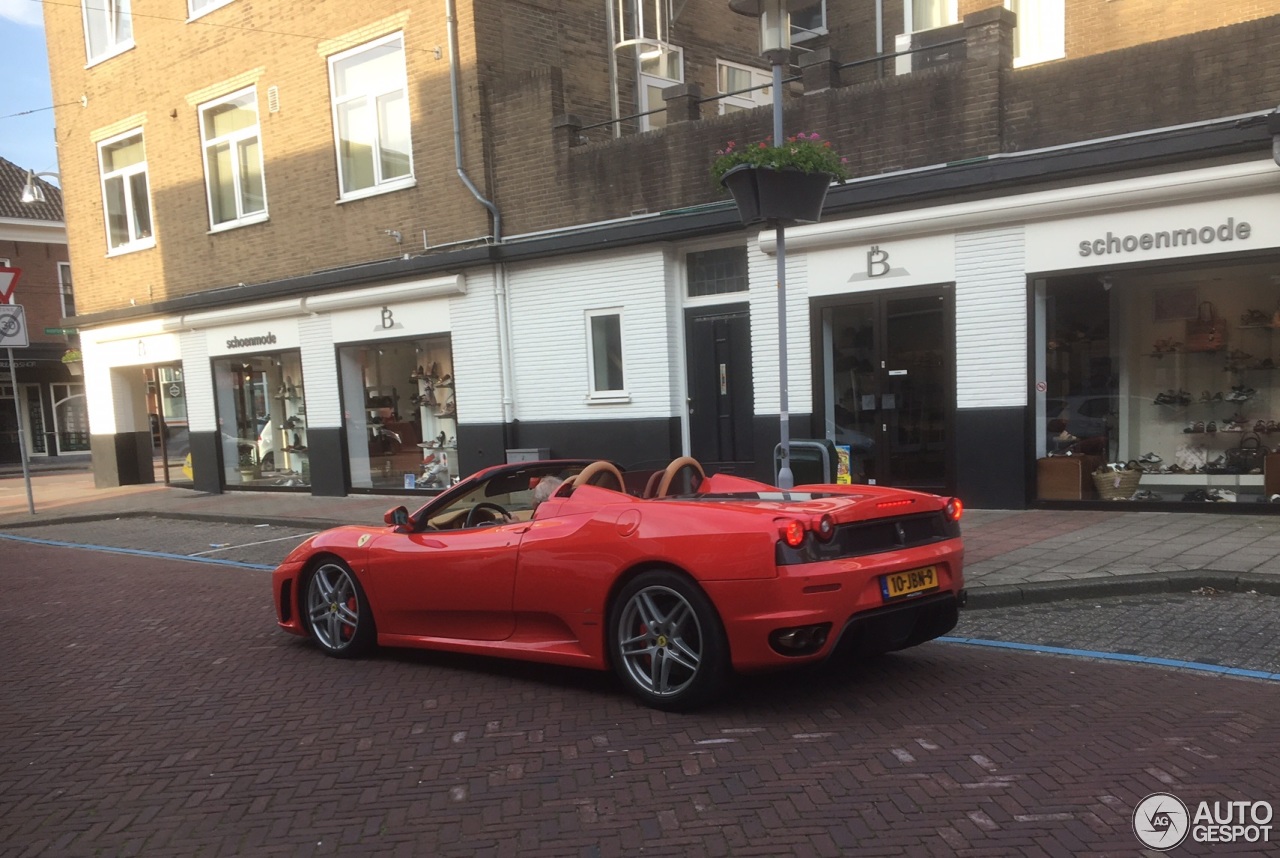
pixel 400 414
pixel 262 411
pixel 1169 374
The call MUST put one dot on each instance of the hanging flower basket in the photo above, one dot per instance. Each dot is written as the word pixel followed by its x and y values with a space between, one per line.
pixel 768 194
pixel 779 183
pixel 73 360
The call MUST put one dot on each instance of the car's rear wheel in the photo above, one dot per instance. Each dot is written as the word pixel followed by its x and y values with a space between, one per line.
pixel 337 612
pixel 667 642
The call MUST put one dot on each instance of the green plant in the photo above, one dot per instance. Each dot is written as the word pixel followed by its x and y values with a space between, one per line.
pixel 72 355
pixel 246 456
pixel 807 153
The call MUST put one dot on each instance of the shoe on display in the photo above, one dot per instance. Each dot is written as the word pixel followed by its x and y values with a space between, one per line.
pixel 1150 459
pixel 1144 495
pixel 1195 496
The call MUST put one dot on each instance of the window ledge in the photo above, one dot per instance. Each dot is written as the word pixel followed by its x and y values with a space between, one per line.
pixel 1036 59
pixel 206 10
pixel 612 397
pixel 114 52
pixel 249 220
pixel 132 247
pixel 378 190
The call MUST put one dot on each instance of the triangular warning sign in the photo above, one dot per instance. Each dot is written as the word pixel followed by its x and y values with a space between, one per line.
pixel 8 282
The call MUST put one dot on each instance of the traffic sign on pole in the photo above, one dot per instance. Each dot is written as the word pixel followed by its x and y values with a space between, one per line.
pixel 8 282
pixel 13 327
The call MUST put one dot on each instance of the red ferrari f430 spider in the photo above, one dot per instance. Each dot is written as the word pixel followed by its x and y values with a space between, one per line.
pixel 675 579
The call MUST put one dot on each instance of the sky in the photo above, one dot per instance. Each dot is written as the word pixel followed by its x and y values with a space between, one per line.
pixel 24 85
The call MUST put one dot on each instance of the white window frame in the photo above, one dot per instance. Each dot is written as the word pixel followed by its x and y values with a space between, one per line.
pixel 645 80
pixel 233 141
pixel 131 215
pixel 200 8
pixel 113 10
pixel 380 185
pixel 1042 36
pixel 595 394
pixel 800 34
pixel 65 286
pixel 908 13
pixel 749 100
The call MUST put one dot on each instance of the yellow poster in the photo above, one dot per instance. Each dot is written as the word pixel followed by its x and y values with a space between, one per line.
pixel 842 468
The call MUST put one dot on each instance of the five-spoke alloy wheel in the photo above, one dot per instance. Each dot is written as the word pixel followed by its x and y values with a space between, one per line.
pixel 337 612
pixel 667 643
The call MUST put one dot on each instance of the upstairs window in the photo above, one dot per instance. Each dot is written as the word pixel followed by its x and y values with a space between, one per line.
pixel 929 14
pixel 371 118
pixel 809 23
pixel 126 199
pixel 233 160
pixel 64 289
pixel 108 28
pixel 1041 31
pixel 732 78
pixel 661 66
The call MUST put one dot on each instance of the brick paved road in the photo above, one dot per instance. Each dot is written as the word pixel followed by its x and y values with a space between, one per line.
pixel 1238 630
pixel 151 708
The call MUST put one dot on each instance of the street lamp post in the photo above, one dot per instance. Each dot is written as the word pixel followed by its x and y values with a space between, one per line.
pixel 31 191
pixel 775 46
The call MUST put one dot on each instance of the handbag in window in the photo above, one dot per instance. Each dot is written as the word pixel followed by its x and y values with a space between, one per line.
pixel 1208 331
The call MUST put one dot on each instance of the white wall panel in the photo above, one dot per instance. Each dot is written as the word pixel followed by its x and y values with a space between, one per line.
pixel 549 334
pixel 764 332
pixel 320 372
pixel 197 381
pixel 991 319
pixel 477 362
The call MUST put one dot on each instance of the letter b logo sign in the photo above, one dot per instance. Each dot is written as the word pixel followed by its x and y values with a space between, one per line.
pixel 877 262
pixel 388 320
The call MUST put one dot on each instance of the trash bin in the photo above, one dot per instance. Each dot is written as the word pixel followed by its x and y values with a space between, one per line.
pixel 813 460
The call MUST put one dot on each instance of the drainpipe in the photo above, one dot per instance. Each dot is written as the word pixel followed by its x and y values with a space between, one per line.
pixel 457 123
pixel 501 297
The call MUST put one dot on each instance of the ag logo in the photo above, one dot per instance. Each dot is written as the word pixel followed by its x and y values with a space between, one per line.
pixel 1161 821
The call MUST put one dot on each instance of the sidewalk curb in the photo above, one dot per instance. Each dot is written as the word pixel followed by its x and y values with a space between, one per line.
pixel 1011 595
pixel 224 518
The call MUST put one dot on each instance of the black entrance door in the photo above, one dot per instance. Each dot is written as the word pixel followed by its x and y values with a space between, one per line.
pixel 720 391
pixel 9 450
pixel 887 385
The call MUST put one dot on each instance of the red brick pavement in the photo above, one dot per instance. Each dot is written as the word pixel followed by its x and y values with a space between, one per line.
pixel 151 708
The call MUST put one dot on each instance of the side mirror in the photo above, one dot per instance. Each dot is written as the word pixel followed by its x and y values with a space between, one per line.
pixel 398 517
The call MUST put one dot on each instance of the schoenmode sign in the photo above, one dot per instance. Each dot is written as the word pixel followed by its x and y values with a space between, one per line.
pixel 1168 238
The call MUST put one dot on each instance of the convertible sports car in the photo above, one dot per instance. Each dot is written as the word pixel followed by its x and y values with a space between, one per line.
pixel 674 579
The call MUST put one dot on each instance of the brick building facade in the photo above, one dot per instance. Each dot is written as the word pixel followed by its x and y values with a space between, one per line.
pixel 547 235
pixel 50 407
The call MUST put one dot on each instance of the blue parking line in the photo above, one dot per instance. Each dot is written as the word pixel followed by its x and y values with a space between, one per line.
pixel 1117 656
pixel 136 552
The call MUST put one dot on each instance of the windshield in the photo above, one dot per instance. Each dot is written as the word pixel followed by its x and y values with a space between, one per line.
pixel 517 492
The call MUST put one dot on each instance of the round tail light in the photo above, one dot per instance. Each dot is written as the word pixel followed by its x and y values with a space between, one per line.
pixel 825 527
pixel 793 533
pixel 955 509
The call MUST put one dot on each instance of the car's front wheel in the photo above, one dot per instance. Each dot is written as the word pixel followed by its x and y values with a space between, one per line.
pixel 667 642
pixel 337 611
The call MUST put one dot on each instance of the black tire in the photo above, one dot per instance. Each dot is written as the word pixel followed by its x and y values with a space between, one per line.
pixel 666 642
pixel 336 611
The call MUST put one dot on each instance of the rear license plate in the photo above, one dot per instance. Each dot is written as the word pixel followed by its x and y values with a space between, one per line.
pixel 901 584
